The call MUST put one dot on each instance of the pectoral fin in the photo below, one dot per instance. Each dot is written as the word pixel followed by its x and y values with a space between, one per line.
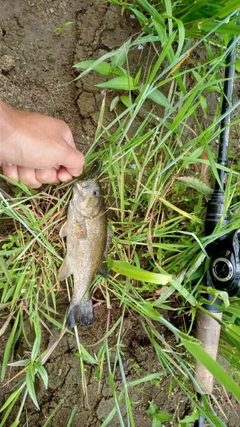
pixel 64 270
pixel 80 230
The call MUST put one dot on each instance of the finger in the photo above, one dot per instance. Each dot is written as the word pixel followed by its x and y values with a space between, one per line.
pixel 28 177
pixel 67 135
pixel 63 175
pixel 11 171
pixel 47 176
pixel 71 159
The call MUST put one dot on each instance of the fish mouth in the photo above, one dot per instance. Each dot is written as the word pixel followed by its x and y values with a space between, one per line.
pixel 92 171
pixel 88 183
pixel 87 175
pixel 86 186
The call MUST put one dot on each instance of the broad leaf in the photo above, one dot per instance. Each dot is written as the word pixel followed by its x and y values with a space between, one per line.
pixel 119 83
pixel 137 273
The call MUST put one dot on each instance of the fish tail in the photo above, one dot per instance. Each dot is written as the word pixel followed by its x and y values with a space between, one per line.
pixel 80 313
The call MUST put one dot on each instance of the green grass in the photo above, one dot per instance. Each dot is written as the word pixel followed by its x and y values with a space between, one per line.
pixel 153 176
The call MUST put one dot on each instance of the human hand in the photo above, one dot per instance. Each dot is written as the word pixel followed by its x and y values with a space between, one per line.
pixel 37 149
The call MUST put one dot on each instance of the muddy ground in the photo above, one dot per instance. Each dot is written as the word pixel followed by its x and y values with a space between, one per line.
pixel 34 61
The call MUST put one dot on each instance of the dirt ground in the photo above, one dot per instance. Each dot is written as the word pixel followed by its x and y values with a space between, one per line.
pixel 34 61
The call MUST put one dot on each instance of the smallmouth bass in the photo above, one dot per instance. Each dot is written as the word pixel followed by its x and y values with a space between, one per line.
pixel 86 233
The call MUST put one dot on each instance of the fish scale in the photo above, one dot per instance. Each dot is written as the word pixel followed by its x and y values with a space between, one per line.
pixel 86 233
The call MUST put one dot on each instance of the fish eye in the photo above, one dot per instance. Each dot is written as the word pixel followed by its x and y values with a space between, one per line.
pixel 95 193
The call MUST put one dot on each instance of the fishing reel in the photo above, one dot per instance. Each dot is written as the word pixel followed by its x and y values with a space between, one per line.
pixel 224 270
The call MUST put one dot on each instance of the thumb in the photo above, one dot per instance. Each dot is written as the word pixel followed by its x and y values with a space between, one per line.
pixel 71 159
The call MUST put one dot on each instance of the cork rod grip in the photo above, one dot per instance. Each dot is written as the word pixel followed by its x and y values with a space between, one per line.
pixel 208 332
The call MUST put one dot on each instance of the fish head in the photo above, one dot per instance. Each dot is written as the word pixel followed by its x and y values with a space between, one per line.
pixel 87 197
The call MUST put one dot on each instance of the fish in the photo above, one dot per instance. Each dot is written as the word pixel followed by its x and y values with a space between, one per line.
pixel 86 233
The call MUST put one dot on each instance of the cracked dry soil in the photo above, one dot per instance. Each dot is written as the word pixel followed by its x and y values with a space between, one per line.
pixel 34 61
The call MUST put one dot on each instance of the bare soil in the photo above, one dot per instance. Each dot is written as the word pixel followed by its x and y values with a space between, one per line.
pixel 34 60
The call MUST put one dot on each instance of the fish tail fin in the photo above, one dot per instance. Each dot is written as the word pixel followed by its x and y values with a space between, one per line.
pixel 80 313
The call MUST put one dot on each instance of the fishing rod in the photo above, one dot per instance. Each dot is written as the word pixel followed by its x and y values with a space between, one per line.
pixel 224 253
